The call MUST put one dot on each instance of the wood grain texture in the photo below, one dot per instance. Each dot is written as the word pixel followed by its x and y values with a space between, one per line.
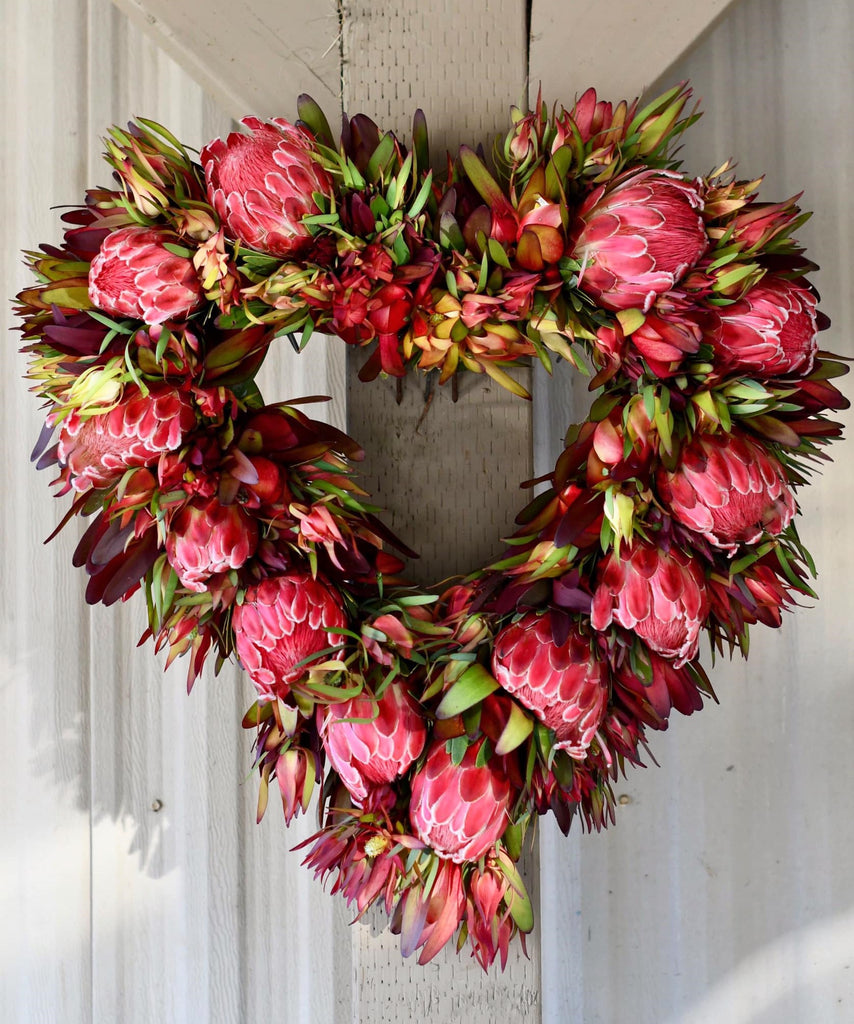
pixel 724 891
pixel 251 56
pixel 44 700
pixel 456 471
pixel 619 47
pixel 112 910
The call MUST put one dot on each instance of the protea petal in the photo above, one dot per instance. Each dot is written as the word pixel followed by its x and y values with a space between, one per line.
pixel 660 595
pixel 459 810
pixel 282 621
pixel 728 488
pixel 369 741
pixel 637 238
pixel 564 685
pixel 134 274
pixel 262 183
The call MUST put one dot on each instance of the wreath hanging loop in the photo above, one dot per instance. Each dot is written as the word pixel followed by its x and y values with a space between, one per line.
pixel 437 725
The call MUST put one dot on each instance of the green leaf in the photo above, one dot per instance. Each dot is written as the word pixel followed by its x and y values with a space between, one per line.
pixel 307 332
pixel 512 839
pixel 519 727
pixel 67 298
pixel 472 687
pixel 457 748
pixel 654 107
pixel 178 250
pixel 734 276
pixel 504 379
pixel 107 322
pixel 422 197
pixel 630 320
pixel 312 116
pixel 497 253
pixel 420 140
pixel 162 342
pixel 486 186
pixel 380 157
pixel 517 899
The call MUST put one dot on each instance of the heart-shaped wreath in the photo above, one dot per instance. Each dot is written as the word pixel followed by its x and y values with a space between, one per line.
pixel 437 725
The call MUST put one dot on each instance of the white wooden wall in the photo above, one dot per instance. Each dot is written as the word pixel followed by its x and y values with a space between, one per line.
pixel 726 890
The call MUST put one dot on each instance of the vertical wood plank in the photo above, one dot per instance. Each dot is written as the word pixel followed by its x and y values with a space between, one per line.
pixel 199 913
pixel 450 482
pixel 619 47
pixel 44 748
pixel 722 892
pixel 250 56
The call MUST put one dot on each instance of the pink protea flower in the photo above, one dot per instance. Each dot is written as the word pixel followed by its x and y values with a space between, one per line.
pixel 651 699
pixel 427 918
pixel 296 771
pixel 564 685
pixel 134 274
pixel 490 926
pixel 728 488
pixel 659 595
pixel 637 238
pixel 97 450
pixel 771 329
pixel 261 185
pixel 372 741
pixel 207 537
pixel 592 117
pixel 459 810
pixel 282 621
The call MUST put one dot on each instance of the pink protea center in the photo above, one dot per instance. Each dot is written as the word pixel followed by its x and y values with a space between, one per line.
pixel 728 488
pixel 660 595
pixel 261 185
pixel 97 450
pixel 370 741
pixel 636 239
pixel 134 274
pixel 282 621
pixel 207 537
pixel 564 685
pixel 772 329
pixel 459 810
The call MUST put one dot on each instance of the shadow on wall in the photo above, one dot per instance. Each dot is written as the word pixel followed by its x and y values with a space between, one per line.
pixel 764 984
pixel 59 755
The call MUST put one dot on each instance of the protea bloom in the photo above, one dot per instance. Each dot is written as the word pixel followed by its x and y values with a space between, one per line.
pixel 372 741
pixel 490 925
pixel 772 329
pixel 97 450
pixel 296 772
pixel 459 810
pixel 637 238
pixel 207 537
pixel 663 688
pixel 563 684
pixel 134 274
pixel 659 595
pixel 261 185
pixel 427 918
pixel 729 489
pixel 282 621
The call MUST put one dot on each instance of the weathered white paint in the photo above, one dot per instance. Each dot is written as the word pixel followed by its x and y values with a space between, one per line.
pixel 113 911
pixel 251 56
pixel 724 893
pixel 618 47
